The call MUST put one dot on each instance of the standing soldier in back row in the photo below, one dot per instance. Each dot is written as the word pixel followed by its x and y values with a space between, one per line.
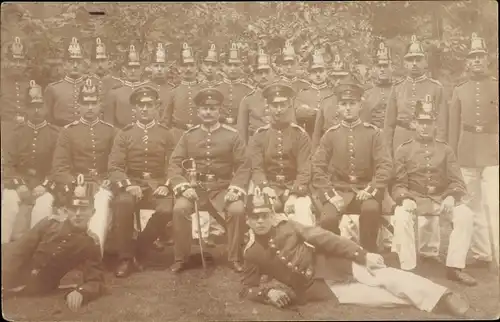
pixel 474 138
pixel 159 68
pixel 398 124
pixel 287 63
pixel 209 68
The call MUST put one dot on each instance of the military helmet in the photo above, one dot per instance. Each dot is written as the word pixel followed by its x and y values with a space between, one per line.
pixel 287 53
pixel 159 54
pixel 211 54
pixel 262 60
pixel 339 66
pixel 260 203
pixel 186 54
pixel 88 93
pixel 415 48
pixel 34 95
pixel 477 45
pixel 383 55
pixel 316 60
pixel 424 110
pixel 232 54
pixel 73 49
pixel 99 50
pixel 132 58
pixel 17 49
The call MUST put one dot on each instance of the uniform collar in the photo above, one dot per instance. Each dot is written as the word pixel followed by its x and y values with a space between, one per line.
pixel 383 84
pixel 90 124
pixel 36 126
pixel 215 127
pixel 352 124
pixel 230 81
pixel 134 84
pixel 146 126
pixel 318 87
pixel 418 79
pixel 185 82
pixel 290 80
pixel 72 80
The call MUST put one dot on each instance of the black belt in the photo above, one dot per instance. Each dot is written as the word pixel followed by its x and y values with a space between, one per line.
pixel 209 177
pixel 281 178
pixel 406 125
pixel 487 128
pixel 427 190
pixel 146 174
pixel 90 174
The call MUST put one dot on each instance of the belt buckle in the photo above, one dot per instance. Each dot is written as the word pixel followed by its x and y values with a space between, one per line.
pixel 353 179
pixel 479 128
pixel 210 177
pixel 189 125
pixel 146 175
pixel 431 189
pixel 280 178
pixel 93 172
pixel 229 120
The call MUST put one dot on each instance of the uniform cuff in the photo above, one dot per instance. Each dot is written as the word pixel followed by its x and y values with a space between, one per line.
pixel 123 183
pixel 299 190
pixel 240 192
pixel 48 184
pixel 180 188
pixel 401 197
pixel 18 182
pixel 371 190
pixel 327 195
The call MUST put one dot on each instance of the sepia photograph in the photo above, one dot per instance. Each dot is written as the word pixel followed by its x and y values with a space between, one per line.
pixel 250 161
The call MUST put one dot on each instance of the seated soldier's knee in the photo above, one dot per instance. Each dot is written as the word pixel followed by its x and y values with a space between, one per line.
pixel 463 216
pixel 236 208
pixel 330 218
pixel 164 206
pixel 402 216
pixel 371 207
pixel 124 201
pixel 183 208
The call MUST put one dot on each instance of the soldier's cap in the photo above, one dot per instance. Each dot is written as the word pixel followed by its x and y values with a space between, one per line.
pixel 349 88
pixel 316 60
pixel 211 54
pixel 424 111
pixel 17 49
pixel 132 56
pixel 278 92
pixel 383 55
pixel 259 203
pixel 233 54
pixel 88 92
pixel 144 94
pixel 34 95
pixel 99 49
pixel 477 45
pixel 415 48
pixel 73 49
pixel 287 53
pixel 208 96
pixel 159 54
pixel 339 67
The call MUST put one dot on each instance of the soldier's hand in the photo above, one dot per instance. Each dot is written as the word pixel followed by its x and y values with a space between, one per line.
pixel 447 205
pixel 80 191
pixel 270 192
pixel 22 191
pixel 38 191
pixel 161 191
pixel 289 207
pixel 231 196
pixel 373 262
pixel 135 191
pixel 190 194
pixel 409 205
pixel 278 298
pixel 362 195
pixel 338 202
pixel 74 300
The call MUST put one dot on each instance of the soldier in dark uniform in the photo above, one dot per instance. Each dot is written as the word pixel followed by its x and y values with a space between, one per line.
pixel 254 112
pixel 232 86
pixel 27 166
pixel 61 97
pixel 14 85
pixel 375 98
pixel 159 71
pixel 308 101
pixel 138 165
pixel 180 110
pixel 208 77
pixel 218 152
pixel 474 138
pixel 288 64
pixel 280 152
pixel 328 115
pixel 429 184
pixel 36 263
pixel 312 264
pixel 398 125
pixel 117 109
pixel 351 168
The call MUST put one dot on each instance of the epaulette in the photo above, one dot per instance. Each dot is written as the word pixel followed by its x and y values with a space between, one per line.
pixel 227 127
pixel 399 81
pixel 262 128
pixel 94 237
pixel 251 240
pixel 128 127
pixel 435 81
pixel 250 94
pixel 366 124
pixel 328 96
pixel 336 126
pixel 56 82
pixel 462 82
pixel 441 141
pixel 71 124
pixel 247 85
pixel 405 143
pixel 192 129
pixel 298 127
pixel 106 123
pixel 118 85
pixel 163 125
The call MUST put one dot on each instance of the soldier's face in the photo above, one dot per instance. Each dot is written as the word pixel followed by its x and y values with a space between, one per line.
pixel 317 75
pixel 101 67
pixel 349 109
pixel 74 67
pixel 233 70
pixel 209 114
pixel 146 111
pixel 263 77
pixel 425 128
pixel 383 71
pixel 79 217
pixel 289 68
pixel 90 111
pixel 415 65
pixel 188 71
pixel 260 223
pixel 17 66
pixel 477 63
pixel 36 114
pixel 132 73
pixel 209 69
pixel 158 70
pixel 280 110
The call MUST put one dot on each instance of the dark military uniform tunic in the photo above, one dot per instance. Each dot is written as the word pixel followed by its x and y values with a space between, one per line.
pixel 326 117
pixel 375 103
pixel 12 99
pixel 234 91
pixel 473 124
pixel 46 253
pixel 300 269
pixel 280 157
pixel 427 172
pixel 297 84
pixel 312 97
pixel 61 100
pixel 83 148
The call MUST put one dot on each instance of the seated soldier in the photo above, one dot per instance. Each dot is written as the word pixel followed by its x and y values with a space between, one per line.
pixel 280 153
pixel 335 268
pixel 351 168
pixel 35 264
pixel 137 168
pixel 429 184
pixel 217 180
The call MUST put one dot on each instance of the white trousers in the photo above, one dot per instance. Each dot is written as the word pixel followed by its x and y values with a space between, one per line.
pixel 303 213
pixel 482 185
pixel 389 287
pixel 10 209
pixel 42 208
pixel 349 228
pixel 100 222
pixel 404 236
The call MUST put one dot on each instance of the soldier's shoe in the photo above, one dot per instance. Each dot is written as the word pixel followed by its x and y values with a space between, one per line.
pixel 456 274
pixel 454 304
pixel 431 259
pixel 158 245
pixel 178 267
pixel 125 268
pixel 479 263
pixel 236 266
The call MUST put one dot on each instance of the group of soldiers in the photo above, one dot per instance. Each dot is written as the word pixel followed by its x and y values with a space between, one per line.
pixel 318 149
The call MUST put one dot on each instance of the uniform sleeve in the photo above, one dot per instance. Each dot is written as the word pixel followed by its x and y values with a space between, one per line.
pixel 61 166
pixel 256 154
pixel 241 168
pixel 318 128
pixel 49 101
pixel 456 184
pixel 301 184
pixel 243 115
pixel 443 115
pixel 178 182
pixel 109 107
pixel 330 243
pixel 390 121
pixel 301 112
pixel 11 159
pixel 166 115
pixel 169 149
pixel 455 121
pixel 118 158
pixel 93 274
pixel 383 164
pixel 320 176
pixel 400 189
